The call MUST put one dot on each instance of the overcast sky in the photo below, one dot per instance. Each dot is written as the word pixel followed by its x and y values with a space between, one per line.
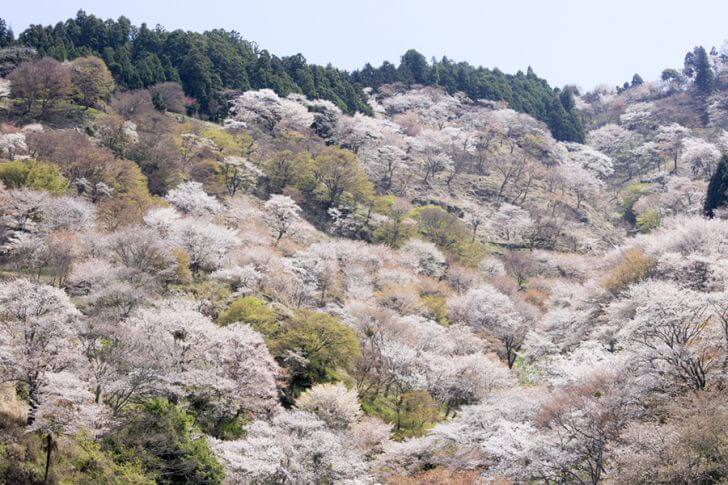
pixel 585 42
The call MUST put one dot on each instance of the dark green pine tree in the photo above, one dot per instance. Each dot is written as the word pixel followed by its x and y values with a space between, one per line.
pixel 717 195
pixel 637 80
pixel 414 69
pixel 6 34
pixel 703 72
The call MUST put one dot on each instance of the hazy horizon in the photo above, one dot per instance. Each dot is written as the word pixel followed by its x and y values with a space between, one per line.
pixel 564 41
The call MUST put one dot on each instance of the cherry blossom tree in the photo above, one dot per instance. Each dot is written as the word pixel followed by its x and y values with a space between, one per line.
pixel 334 404
pixel 175 349
pixel 510 223
pixel 590 159
pixel 190 198
pixel 265 108
pixel 700 156
pixel 670 137
pixel 206 244
pixel 295 447
pixel 487 308
pixel 617 143
pixel 281 215
pixel 163 219
pixel 39 336
pixel 66 407
pixel 673 334
pixel 12 145
pixel 428 259
pixel 382 162
pixel 582 182
pixel 457 380
pixel 636 115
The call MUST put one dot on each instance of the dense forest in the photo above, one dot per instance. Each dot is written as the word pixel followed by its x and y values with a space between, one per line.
pixel 526 93
pixel 209 64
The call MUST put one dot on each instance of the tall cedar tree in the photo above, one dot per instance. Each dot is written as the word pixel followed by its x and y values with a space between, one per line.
pixel 717 195
pixel 703 72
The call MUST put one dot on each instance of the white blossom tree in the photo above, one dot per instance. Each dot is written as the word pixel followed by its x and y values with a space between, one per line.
pixel 281 215
pixel 487 308
pixel 428 259
pixel 66 407
pixel 190 198
pixel 266 109
pixel 295 447
pixel 674 335
pixel 590 159
pixel 39 336
pixel 700 156
pixel 206 243
pixel 334 404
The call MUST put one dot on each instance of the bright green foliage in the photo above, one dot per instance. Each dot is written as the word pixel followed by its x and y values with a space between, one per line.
pixel 648 221
pixel 34 175
pixel 629 197
pixel 92 466
pixel 338 178
pixel 238 144
pixel 327 345
pixel 76 460
pixel 436 308
pixel 398 228
pixel 439 226
pixel 253 311
pixel 216 293
pixel 162 438
pixel 285 169
pixel 449 233
pixel 411 414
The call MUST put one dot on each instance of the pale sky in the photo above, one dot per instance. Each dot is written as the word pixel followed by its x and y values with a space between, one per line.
pixel 585 42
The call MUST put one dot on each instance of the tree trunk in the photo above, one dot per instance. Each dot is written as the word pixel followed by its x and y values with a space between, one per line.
pixel 32 403
pixel 49 449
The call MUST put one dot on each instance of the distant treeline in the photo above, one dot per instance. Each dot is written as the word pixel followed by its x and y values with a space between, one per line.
pixel 210 63
pixel 523 92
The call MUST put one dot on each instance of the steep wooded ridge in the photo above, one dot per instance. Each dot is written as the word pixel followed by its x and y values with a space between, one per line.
pixel 210 63
pixel 272 285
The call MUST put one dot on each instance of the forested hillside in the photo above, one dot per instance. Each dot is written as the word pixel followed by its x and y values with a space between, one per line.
pixel 210 63
pixel 430 285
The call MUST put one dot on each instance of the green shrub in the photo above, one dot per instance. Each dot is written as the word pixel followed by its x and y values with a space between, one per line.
pixel 327 346
pixel 253 311
pixel 32 174
pixel 411 413
pixel 648 221
pixel 159 435
pixel 212 420
pixel 630 195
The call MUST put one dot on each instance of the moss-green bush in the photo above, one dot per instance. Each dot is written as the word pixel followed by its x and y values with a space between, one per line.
pixel 253 311
pixel 329 349
pixel 32 174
